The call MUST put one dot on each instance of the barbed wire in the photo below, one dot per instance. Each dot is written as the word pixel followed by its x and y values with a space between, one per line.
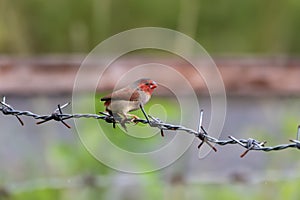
pixel 249 144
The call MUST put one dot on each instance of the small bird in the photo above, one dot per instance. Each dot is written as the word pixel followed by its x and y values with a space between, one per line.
pixel 128 99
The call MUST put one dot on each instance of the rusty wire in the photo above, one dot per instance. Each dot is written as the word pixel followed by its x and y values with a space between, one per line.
pixel 58 115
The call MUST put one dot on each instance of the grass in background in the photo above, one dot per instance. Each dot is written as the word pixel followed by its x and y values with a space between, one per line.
pixel 231 27
pixel 155 189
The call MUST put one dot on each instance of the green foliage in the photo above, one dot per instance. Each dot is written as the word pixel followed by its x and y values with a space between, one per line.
pixel 268 190
pixel 72 159
pixel 45 194
pixel 231 26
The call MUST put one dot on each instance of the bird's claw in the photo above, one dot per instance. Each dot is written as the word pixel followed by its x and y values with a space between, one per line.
pixel 134 119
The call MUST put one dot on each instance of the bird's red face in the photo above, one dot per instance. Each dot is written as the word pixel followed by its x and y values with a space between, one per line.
pixel 147 86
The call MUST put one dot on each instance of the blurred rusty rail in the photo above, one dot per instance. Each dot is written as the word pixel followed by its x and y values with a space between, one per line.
pixel 55 74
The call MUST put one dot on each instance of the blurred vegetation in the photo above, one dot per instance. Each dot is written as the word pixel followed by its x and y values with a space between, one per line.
pixel 157 190
pixel 222 27
pixel 70 26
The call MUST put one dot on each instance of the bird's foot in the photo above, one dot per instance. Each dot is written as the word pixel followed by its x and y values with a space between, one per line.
pixel 134 119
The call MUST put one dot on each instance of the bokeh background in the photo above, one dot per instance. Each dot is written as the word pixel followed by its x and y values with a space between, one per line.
pixel 231 27
pixel 255 44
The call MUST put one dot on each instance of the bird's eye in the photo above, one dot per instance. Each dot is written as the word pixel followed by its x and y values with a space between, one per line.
pixel 147 83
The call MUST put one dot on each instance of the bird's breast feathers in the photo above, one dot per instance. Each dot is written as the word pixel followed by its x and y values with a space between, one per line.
pixel 123 106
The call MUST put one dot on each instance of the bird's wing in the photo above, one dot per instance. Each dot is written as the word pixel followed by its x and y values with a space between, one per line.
pixel 122 94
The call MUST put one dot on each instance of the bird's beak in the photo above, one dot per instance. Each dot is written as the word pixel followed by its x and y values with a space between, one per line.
pixel 153 85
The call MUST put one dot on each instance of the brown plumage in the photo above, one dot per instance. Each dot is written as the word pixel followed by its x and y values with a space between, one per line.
pixel 128 99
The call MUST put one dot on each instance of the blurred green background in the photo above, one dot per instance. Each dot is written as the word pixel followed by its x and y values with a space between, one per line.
pixel 222 27
pixel 47 162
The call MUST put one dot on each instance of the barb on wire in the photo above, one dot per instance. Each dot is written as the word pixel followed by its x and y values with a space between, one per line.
pixel 58 115
pixel 7 110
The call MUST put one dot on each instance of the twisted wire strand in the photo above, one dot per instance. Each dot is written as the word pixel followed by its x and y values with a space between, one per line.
pixel 57 115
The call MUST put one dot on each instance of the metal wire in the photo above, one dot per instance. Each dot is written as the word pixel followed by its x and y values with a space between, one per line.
pixel 58 115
